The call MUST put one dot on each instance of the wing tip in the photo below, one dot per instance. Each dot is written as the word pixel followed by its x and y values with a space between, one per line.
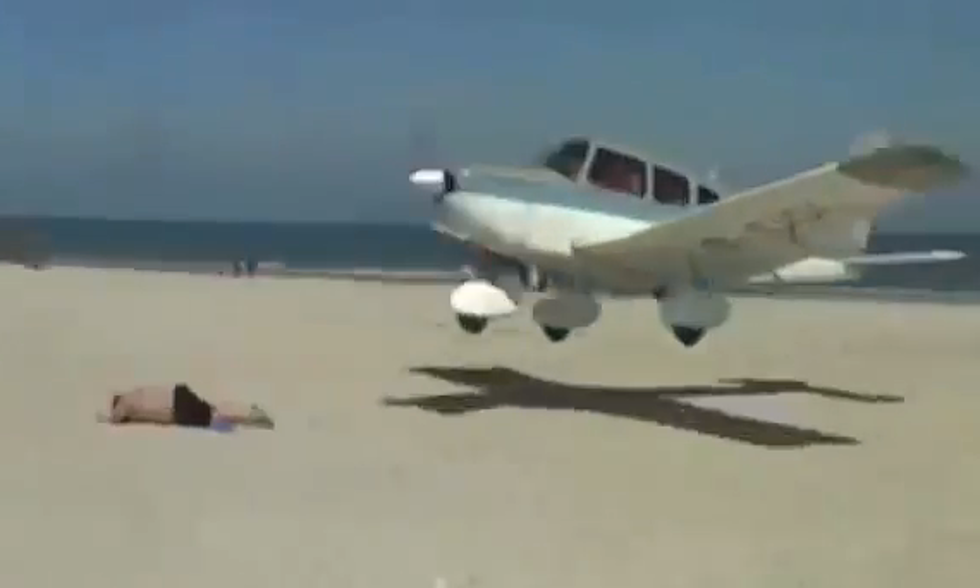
pixel 911 167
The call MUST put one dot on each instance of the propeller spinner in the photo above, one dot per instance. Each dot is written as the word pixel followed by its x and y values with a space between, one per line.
pixel 438 181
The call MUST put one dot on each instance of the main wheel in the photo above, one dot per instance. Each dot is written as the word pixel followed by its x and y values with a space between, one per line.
pixel 472 324
pixel 555 334
pixel 688 336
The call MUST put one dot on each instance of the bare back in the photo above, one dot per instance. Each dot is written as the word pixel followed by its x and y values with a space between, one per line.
pixel 144 404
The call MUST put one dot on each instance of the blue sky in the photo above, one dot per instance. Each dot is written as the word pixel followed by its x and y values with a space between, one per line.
pixel 300 109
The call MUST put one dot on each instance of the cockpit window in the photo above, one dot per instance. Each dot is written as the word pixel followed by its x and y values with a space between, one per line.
pixel 670 187
pixel 618 172
pixel 706 195
pixel 568 158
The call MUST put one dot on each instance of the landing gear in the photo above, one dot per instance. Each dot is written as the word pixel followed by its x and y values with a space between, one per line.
pixel 475 302
pixel 472 324
pixel 558 316
pixel 688 336
pixel 690 313
pixel 555 334
pixel 478 301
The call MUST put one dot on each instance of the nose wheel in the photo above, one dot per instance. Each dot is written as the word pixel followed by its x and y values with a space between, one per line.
pixel 472 324
pixel 555 334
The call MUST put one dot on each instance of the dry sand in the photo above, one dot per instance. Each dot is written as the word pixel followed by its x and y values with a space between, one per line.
pixel 616 458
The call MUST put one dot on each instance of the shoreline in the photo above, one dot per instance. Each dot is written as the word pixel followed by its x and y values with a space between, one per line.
pixel 428 276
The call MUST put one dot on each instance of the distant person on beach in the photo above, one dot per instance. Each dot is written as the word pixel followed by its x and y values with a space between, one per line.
pixel 181 406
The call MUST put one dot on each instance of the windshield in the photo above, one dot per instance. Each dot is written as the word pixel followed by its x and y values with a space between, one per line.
pixel 567 159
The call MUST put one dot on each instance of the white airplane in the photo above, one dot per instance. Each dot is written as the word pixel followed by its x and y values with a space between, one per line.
pixel 611 221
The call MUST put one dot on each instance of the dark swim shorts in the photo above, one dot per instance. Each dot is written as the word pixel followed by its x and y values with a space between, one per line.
pixel 190 410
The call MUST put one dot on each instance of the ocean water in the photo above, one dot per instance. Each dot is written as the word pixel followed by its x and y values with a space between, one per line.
pixel 304 247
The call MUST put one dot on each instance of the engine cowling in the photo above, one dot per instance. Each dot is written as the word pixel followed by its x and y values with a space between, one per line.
pixel 690 314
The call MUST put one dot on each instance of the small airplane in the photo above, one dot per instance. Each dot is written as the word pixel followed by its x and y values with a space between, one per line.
pixel 590 218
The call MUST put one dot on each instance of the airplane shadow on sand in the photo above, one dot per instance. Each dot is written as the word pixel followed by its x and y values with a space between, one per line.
pixel 503 387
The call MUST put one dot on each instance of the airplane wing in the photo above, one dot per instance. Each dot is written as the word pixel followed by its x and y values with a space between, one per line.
pixel 825 212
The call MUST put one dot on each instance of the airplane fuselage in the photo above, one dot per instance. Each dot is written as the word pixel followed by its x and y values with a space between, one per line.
pixel 541 222
pixel 619 223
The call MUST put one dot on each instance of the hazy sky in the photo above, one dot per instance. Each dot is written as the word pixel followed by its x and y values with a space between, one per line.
pixel 306 109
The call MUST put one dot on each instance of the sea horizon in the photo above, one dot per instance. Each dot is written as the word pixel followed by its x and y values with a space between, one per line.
pixel 6 218
pixel 349 247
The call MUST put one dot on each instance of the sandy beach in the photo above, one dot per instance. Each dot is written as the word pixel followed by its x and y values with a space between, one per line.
pixel 806 443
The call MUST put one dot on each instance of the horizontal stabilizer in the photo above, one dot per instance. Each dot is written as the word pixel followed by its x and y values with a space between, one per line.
pixel 812 270
pixel 817 270
pixel 905 257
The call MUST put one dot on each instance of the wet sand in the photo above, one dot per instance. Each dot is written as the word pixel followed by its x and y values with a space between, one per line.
pixel 806 443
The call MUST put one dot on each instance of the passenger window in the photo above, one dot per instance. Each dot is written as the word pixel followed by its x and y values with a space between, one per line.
pixel 618 172
pixel 706 195
pixel 670 187
pixel 567 159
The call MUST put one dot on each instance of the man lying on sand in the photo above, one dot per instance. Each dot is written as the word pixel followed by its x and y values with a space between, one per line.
pixel 179 405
